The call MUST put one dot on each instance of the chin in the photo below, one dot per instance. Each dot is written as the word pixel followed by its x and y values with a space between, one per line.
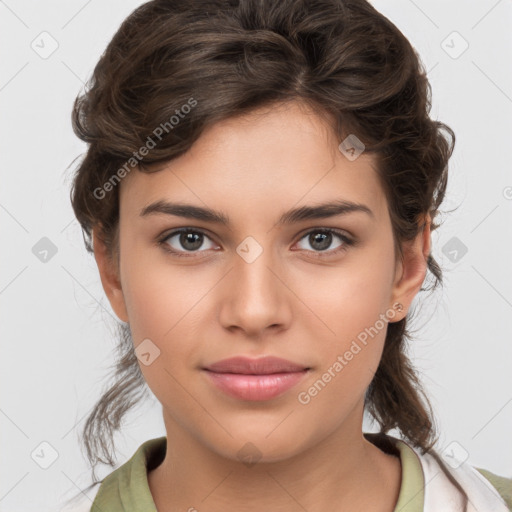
pixel 251 446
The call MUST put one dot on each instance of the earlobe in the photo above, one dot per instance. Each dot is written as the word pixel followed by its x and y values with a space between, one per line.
pixel 411 271
pixel 109 275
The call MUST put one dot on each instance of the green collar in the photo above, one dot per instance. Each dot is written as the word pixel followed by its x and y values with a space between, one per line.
pixel 126 489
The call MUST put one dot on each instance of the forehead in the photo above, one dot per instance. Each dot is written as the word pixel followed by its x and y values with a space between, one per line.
pixel 285 155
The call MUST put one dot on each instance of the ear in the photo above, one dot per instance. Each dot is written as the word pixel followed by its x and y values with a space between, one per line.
pixel 109 275
pixel 411 271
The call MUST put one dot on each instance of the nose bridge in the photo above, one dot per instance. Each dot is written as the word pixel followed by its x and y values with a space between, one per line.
pixel 256 297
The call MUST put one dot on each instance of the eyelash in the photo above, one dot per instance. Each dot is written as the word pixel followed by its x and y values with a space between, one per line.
pixel 347 242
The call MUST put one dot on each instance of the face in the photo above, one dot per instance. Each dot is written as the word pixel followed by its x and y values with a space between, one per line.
pixel 315 291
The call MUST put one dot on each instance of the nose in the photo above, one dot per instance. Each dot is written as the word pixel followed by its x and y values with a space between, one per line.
pixel 255 296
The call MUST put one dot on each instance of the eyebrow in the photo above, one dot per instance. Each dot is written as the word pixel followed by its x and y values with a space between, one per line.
pixel 321 211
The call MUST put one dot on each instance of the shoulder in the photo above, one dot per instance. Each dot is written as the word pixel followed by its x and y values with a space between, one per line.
pixel 455 481
pixel 502 485
pixel 120 483
pixel 127 488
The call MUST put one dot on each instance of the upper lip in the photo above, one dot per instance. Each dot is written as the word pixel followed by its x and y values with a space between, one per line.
pixel 261 366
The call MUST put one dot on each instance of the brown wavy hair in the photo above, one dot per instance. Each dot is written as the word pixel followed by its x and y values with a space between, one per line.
pixel 343 58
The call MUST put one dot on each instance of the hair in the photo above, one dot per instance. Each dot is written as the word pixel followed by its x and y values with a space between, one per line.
pixel 177 67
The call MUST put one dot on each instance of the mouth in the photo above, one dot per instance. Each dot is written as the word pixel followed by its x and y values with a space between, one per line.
pixel 255 379
pixel 262 366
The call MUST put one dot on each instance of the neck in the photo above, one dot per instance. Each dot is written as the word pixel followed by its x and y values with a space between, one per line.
pixel 343 469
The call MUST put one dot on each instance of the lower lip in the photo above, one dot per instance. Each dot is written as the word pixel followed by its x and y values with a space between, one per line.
pixel 255 387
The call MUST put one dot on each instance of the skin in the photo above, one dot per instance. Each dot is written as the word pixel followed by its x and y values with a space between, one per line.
pixel 213 304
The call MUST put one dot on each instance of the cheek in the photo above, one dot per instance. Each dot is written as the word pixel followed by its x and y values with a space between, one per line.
pixel 352 297
pixel 165 304
pixel 157 293
pixel 353 305
pixel 347 358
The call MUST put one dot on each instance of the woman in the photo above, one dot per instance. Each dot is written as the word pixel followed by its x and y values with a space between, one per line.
pixel 259 190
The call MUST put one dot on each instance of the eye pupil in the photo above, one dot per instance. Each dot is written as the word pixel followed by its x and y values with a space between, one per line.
pixel 322 238
pixel 194 238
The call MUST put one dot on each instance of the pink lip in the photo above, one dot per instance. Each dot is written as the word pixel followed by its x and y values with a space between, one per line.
pixel 255 379
pixel 260 366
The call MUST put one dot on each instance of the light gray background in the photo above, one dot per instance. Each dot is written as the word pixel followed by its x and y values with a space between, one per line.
pixel 57 335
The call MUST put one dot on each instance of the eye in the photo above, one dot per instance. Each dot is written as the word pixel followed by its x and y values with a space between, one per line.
pixel 190 240
pixel 185 240
pixel 321 239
